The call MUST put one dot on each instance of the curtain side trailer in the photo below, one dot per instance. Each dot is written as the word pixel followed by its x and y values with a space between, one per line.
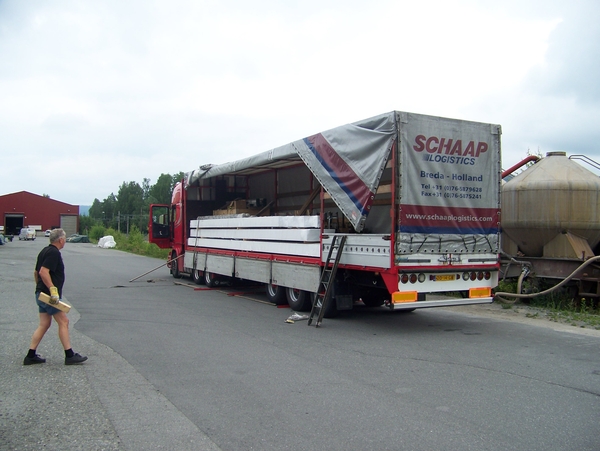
pixel 417 197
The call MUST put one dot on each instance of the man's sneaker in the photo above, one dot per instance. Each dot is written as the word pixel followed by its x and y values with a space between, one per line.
pixel 33 360
pixel 75 359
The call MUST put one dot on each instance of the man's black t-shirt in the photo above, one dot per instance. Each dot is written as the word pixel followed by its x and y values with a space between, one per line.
pixel 50 258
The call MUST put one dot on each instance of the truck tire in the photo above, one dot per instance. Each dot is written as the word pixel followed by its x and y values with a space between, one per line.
pixel 298 300
pixel 370 302
pixel 198 276
pixel 374 298
pixel 210 279
pixel 174 268
pixel 276 294
pixel 331 311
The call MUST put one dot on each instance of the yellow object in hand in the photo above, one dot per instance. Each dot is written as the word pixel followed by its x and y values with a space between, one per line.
pixel 54 296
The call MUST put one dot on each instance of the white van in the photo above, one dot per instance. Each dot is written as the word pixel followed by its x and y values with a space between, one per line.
pixel 27 234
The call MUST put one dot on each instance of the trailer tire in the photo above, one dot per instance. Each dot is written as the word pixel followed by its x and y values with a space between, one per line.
pixel 210 279
pixel 174 266
pixel 276 294
pixel 373 302
pixel 331 310
pixel 198 277
pixel 374 298
pixel 298 300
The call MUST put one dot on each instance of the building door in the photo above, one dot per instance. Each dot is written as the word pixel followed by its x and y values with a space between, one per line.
pixel 13 222
pixel 69 224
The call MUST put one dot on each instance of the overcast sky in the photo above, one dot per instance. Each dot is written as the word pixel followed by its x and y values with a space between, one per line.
pixel 97 93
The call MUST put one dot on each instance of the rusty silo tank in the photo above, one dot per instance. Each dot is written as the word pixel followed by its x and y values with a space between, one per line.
pixel 552 209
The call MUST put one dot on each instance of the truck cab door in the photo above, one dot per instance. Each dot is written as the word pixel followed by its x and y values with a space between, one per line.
pixel 160 230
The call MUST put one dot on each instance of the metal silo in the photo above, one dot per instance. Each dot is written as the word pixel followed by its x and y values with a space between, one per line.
pixel 552 209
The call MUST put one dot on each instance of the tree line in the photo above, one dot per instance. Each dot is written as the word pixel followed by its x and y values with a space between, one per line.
pixel 131 205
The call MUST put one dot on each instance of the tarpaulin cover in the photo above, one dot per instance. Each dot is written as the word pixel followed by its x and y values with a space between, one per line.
pixel 448 171
pixel 449 185
pixel 348 162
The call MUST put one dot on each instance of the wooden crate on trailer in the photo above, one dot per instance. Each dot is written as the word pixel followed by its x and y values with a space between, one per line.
pixel 236 207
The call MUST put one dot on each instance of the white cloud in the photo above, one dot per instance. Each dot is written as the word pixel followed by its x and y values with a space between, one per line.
pixel 117 91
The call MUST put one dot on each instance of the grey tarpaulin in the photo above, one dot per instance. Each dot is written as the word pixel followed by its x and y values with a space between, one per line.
pixel 348 162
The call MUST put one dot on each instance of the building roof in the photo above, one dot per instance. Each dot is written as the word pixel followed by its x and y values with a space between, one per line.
pixel 21 196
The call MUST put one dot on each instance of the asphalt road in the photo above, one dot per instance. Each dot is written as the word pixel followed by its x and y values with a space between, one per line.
pixel 434 379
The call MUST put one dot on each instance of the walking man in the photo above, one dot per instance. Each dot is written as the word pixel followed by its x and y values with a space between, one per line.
pixel 49 276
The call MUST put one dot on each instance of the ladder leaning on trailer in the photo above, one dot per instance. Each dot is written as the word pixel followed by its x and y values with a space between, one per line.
pixel 327 279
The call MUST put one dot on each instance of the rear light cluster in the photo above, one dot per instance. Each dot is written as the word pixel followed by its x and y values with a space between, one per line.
pixel 421 277
pixel 480 275
pixel 412 278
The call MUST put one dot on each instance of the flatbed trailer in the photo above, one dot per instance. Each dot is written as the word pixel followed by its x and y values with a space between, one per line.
pixel 417 198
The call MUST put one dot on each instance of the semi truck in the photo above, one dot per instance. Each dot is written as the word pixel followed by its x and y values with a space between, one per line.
pixel 416 199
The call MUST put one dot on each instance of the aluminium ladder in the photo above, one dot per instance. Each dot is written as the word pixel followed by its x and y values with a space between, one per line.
pixel 327 279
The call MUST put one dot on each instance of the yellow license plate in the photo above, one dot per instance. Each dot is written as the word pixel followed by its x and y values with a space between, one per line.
pixel 444 278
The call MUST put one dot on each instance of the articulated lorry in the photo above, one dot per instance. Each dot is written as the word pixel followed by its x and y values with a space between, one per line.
pixel 416 199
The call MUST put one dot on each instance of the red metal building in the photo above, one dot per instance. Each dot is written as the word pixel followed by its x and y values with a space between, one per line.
pixel 24 209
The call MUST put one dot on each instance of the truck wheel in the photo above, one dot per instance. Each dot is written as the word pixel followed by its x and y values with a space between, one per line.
pixel 198 277
pixel 374 298
pixel 174 268
pixel 276 294
pixel 298 300
pixel 331 311
pixel 210 279
pixel 370 302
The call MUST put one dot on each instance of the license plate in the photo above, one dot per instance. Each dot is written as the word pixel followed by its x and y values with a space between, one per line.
pixel 444 278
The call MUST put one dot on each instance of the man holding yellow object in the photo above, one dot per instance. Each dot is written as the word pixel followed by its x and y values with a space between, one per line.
pixel 49 276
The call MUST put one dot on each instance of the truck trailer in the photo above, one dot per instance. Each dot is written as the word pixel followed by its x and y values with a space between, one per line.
pixel 410 202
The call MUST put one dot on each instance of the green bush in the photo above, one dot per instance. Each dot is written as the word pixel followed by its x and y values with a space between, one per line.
pixel 506 286
pixel 97 232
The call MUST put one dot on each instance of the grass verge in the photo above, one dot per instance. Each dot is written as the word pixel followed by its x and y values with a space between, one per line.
pixel 558 306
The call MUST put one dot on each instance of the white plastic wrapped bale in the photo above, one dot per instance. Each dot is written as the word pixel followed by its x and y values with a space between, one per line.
pixel 107 242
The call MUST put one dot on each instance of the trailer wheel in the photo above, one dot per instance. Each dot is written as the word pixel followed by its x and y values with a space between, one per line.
pixel 374 298
pixel 210 279
pixel 298 300
pixel 174 266
pixel 198 277
pixel 331 311
pixel 276 294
